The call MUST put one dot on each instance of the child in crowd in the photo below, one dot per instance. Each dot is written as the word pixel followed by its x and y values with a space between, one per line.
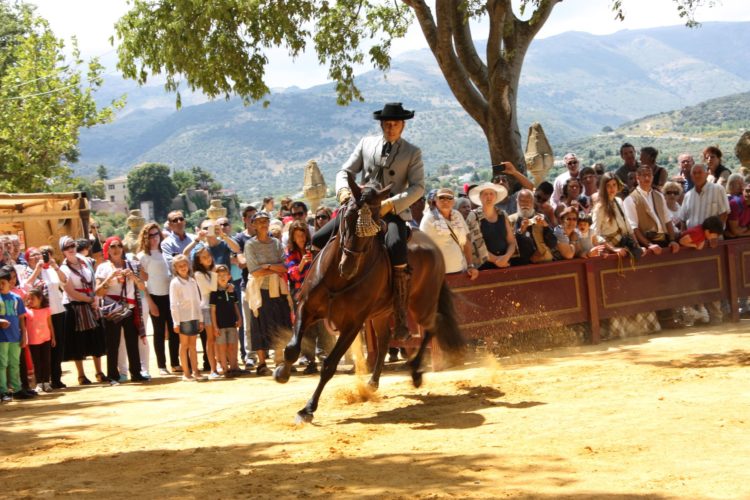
pixel 185 305
pixel 225 316
pixel 586 246
pixel 205 276
pixel 41 338
pixel 12 338
pixel 696 236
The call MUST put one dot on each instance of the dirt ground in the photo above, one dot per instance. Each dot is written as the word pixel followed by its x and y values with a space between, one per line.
pixel 664 416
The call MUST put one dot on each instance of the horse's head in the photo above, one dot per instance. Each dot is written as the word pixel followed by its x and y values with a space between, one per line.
pixel 359 224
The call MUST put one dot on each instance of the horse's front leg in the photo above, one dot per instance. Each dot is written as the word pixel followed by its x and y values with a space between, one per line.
pixel 383 333
pixel 303 320
pixel 346 337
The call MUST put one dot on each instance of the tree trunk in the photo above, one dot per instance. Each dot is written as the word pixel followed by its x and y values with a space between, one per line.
pixel 501 130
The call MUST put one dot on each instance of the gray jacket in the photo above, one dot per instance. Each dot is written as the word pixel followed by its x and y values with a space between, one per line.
pixel 403 167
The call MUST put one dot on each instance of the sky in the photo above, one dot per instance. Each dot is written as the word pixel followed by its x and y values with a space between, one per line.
pixel 91 21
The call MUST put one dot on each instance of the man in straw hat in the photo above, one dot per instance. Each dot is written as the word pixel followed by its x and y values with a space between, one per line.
pixel 388 160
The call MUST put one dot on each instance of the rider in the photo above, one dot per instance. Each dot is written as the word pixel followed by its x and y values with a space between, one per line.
pixel 388 160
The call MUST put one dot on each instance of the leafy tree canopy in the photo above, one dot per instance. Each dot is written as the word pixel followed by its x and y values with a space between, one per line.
pixel 44 101
pixel 219 47
pixel 151 182
pixel 102 173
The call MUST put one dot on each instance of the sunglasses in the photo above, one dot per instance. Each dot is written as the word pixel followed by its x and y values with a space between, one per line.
pixel 572 163
pixel 675 193
pixel 153 235
pixel 224 224
pixel 68 247
pixel 321 217
pixel 445 197
pixel 178 219
pixel 115 245
pixel 298 214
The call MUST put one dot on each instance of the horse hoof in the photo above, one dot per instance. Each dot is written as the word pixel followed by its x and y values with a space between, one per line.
pixel 373 385
pixel 281 375
pixel 416 379
pixel 303 417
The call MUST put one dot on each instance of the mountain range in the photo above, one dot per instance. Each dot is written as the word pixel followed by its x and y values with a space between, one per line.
pixel 574 84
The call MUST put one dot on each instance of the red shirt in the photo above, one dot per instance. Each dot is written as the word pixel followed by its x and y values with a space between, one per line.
pixel 37 325
pixel 697 236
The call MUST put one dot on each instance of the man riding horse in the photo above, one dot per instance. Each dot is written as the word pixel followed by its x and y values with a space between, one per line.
pixel 387 159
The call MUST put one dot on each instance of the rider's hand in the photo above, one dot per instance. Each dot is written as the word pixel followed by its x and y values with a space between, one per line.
pixel 343 196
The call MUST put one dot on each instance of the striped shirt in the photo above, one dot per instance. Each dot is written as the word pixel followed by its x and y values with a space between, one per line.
pixel 697 207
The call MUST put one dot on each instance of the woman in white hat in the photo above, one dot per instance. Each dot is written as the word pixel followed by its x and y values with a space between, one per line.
pixel 492 238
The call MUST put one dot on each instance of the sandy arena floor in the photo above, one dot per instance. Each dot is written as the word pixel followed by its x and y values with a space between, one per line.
pixel 664 416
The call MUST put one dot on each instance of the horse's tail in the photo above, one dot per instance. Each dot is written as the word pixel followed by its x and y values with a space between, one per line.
pixel 447 332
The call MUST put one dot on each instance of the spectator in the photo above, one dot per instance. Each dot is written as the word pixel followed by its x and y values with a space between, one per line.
pixel 572 197
pixel 626 172
pixel 590 184
pixel 13 338
pixel 735 185
pixel 492 238
pixel 686 163
pixel 267 290
pixel 609 223
pixel 185 307
pixel 322 216
pixel 696 237
pixel 225 316
pixel 299 213
pixel 242 238
pixel 155 272
pixel 542 195
pixel 268 205
pixel 204 274
pixel 648 158
pixel 533 235
pixel 704 200
pixel 718 173
pixel 567 234
pixel 217 242
pixel 647 214
pixel 178 239
pixel 46 275
pixel 83 334
pixel 118 279
pixel 738 222
pixel 447 228
pixel 463 205
pixel 571 163
pixel 41 338
pixel 672 195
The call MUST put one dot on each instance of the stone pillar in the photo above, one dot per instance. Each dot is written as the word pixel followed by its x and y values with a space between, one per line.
pixel 314 186
pixel 216 211
pixel 135 223
pixel 742 151
pixel 539 157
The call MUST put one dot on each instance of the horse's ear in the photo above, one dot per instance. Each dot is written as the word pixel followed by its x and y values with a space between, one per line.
pixel 353 186
pixel 385 192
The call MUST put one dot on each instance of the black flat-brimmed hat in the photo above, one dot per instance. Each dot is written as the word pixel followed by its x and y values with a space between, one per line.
pixel 393 111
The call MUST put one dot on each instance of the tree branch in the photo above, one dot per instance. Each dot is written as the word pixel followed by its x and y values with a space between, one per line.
pixel 466 50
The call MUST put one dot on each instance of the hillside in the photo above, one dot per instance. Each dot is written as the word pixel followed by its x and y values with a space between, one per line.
pixel 718 121
pixel 573 83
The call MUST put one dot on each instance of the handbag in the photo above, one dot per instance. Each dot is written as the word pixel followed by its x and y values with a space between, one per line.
pixel 115 310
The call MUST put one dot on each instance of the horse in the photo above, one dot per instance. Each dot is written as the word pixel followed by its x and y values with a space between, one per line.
pixel 349 283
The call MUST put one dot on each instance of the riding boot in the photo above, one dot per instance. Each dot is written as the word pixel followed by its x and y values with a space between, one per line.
pixel 401 282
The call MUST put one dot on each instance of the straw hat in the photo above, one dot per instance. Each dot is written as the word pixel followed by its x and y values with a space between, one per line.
pixel 500 192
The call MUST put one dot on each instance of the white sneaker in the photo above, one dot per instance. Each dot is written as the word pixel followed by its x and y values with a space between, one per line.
pixel 703 314
pixel 163 371
pixel 39 389
pixel 47 387
pixel 213 376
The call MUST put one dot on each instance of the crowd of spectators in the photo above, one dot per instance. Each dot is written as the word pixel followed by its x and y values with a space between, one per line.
pixel 237 292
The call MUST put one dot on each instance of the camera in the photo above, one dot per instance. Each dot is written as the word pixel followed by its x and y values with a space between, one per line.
pixel 498 170
pixel 45 256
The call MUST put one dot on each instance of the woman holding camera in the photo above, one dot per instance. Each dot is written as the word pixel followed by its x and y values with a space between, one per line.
pixel 44 273
pixel 118 279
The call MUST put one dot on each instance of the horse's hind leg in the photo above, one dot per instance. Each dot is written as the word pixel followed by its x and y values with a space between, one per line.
pixel 346 337
pixel 383 333
pixel 415 363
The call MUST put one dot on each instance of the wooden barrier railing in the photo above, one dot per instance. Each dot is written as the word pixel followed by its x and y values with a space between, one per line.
pixel 559 293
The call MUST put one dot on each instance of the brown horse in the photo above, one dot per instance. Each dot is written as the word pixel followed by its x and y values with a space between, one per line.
pixel 350 282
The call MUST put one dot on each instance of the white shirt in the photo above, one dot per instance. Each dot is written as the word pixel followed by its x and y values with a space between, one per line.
pixel 652 196
pixel 76 280
pixel 697 207
pixel 105 270
pixel 157 268
pixel 559 184
pixel 184 300
pixel 435 226
pixel 54 290
pixel 206 284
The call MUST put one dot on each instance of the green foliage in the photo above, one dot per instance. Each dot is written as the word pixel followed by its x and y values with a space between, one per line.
pixel 44 101
pixel 92 188
pixel 111 224
pixel 101 173
pixel 151 182
pixel 194 219
pixel 183 180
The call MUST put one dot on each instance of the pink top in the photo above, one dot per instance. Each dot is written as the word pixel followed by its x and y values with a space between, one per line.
pixel 697 236
pixel 37 325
